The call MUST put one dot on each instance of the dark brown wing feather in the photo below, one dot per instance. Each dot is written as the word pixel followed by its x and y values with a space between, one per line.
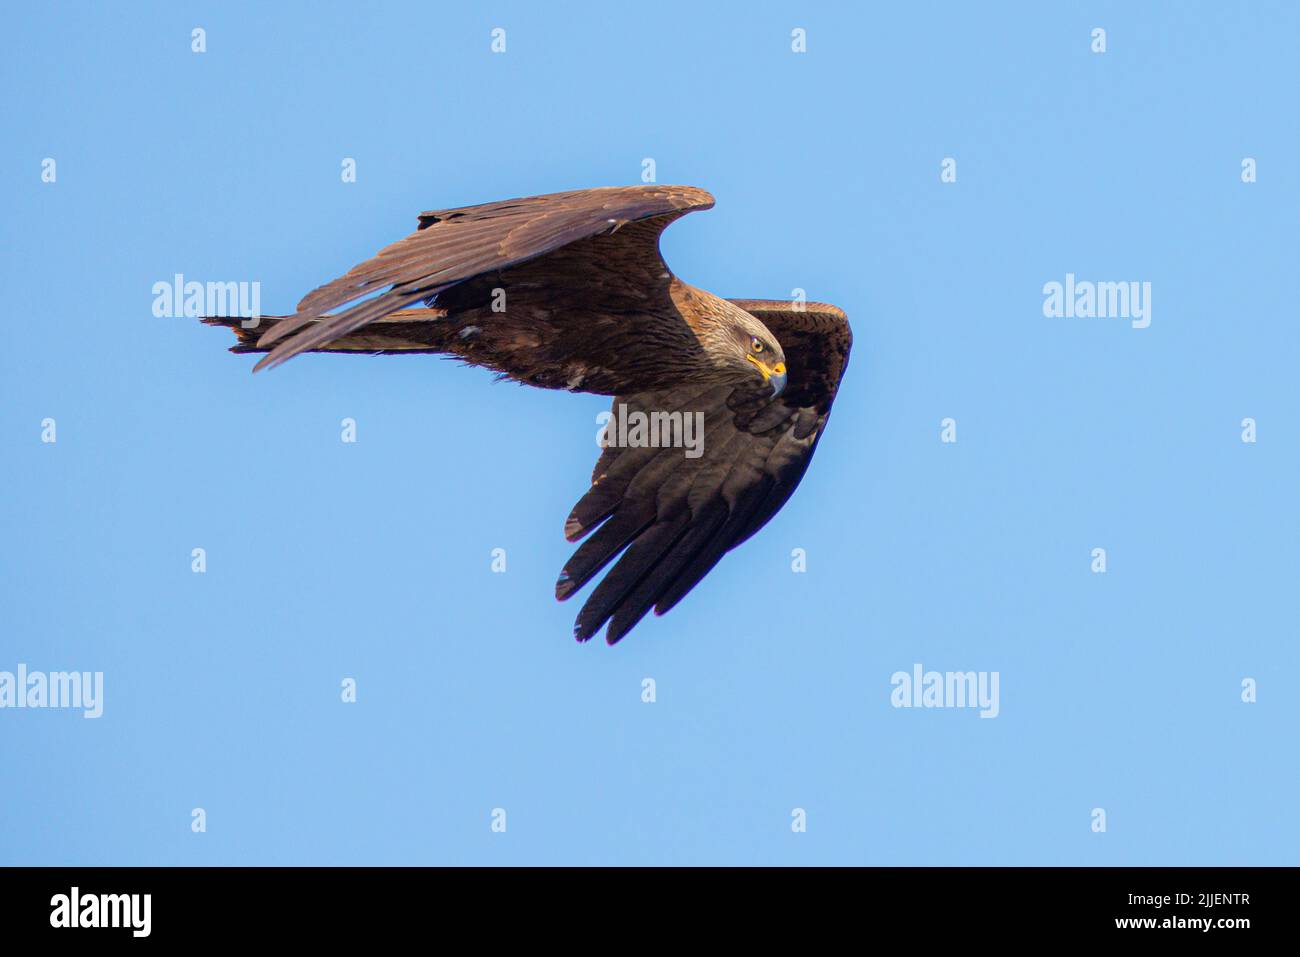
pixel 673 518
pixel 454 246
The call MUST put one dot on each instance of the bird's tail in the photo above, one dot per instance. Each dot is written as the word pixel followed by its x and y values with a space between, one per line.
pixel 408 331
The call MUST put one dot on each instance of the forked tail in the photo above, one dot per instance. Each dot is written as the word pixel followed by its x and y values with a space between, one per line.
pixel 411 331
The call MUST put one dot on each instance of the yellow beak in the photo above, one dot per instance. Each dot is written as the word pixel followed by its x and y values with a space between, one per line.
pixel 772 375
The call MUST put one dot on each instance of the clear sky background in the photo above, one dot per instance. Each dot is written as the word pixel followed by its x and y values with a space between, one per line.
pixel 371 560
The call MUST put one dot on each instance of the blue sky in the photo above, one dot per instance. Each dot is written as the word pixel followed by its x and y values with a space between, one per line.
pixel 1120 691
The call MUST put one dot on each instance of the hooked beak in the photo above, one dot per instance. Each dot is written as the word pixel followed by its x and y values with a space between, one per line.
pixel 772 375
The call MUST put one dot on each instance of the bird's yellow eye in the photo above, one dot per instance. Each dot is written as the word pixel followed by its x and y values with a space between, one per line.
pixel 756 344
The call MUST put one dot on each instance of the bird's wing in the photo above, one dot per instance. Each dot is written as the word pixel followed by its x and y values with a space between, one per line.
pixel 455 245
pixel 677 516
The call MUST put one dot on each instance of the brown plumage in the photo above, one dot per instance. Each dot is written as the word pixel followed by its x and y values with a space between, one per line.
pixel 569 291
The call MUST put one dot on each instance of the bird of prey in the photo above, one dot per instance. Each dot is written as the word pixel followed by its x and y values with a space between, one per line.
pixel 569 291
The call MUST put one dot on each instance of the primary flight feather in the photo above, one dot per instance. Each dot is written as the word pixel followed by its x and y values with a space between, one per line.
pixel 569 291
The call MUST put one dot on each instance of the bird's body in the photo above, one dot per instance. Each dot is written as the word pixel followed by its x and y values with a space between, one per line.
pixel 569 291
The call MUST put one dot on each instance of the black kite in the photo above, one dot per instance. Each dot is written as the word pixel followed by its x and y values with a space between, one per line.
pixel 569 291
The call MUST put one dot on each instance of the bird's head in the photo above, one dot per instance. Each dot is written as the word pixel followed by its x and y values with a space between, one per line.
pixel 754 353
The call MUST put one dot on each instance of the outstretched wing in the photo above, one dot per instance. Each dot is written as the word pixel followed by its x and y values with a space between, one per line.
pixel 453 246
pixel 672 517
